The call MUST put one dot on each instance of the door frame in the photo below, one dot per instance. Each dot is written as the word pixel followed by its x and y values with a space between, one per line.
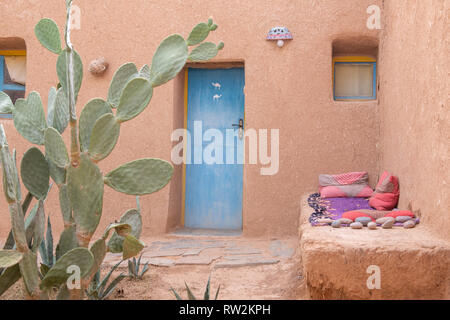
pixel 225 64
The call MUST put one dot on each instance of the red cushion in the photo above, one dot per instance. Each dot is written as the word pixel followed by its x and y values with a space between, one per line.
pixel 352 215
pixel 400 213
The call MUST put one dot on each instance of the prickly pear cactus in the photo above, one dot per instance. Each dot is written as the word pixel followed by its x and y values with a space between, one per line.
pixel 74 168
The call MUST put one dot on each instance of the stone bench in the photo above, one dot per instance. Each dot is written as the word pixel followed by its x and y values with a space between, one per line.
pixel 413 263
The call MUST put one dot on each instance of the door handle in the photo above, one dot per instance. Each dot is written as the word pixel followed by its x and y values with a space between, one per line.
pixel 241 127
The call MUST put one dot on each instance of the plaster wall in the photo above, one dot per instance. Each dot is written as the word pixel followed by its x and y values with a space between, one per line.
pixel 288 89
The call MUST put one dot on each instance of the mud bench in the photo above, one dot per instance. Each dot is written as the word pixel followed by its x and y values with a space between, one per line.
pixel 337 263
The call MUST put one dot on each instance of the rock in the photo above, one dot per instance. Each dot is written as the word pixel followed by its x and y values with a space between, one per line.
pixel 336 224
pixel 356 225
pixel 384 219
pixel 325 220
pixel 345 221
pixel 409 224
pixel 363 220
pixel 372 225
pixel 402 218
pixel 388 224
pixel 98 67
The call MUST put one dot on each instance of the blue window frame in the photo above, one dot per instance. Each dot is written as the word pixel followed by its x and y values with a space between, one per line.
pixel 373 96
pixel 7 86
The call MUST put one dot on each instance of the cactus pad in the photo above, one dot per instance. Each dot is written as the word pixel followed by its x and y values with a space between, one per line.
pixel 55 148
pixel 67 242
pixel 47 33
pixel 169 59
pixel 93 110
pixel 85 189
pixel 57 275
pixel 145 72
pixel 58 110
pixel 123 75
pixel 140 177
pixel 205 51
pixel 104 137
pixel 198 34
pixel 131 247
pixel 135 98
pixel 61 69
pixel 6 105
pixel 35 173
pixel 134 219
pixel 29 118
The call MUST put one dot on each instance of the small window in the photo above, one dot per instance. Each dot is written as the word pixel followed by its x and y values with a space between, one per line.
pixel 354 78
pixel 12 75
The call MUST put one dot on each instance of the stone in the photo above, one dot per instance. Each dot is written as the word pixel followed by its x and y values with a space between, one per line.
pixel 193 260
pixel 372 225
pixel 409 224
pixel 245 263
pixel 325 220
pixel 402 218
pixel 345 221
pixel 242 250
pixel 363 220
pixel 193 252
pixel 98 67
pixel 388 224
pixel 163 253
pixel 356 225
pixel 384 219
pixel 336 224
pixel 161 262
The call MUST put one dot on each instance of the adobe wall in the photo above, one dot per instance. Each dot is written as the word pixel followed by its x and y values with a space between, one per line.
pixel 414 106
pixel 288 89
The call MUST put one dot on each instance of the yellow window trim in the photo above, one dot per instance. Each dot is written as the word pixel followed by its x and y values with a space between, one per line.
pixel 350 59
pixel 13 52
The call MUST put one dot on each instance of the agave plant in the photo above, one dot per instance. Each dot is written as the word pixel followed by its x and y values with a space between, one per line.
pixel 100 290
pixel 191 296
pixel 134 268
pixel 74 168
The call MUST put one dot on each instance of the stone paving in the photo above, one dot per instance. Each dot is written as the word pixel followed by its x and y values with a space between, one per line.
pixel 230 252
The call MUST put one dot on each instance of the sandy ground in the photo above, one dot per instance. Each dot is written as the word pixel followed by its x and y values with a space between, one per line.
pixel 282 280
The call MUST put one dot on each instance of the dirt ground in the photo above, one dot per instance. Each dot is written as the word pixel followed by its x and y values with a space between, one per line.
pixel 282 280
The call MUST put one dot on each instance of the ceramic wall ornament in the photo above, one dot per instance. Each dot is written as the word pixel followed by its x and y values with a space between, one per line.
pixel 279 34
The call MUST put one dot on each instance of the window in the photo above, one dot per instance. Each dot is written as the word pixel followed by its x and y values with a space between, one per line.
pixel 354 78
pixel 12 75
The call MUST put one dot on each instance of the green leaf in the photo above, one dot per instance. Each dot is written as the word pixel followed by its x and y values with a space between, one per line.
pixel 6 105
pixel 85 189
pixel 58 174
pixel 121 77
pixel 93 110
pixel 35 173
pixel 135 98
pixel 208 285
pixel 140 177
pixel 9 258
pixel 55 148
pixel 198 34
pixel 169 59
pixel 29 118
pixel 189 293
pixel 204 52
pixel 58 110
pixel 61 69
pixel 105 135
pixel 131 247
pixel 58 274
pixel 47 33
pixel 177 296
pixel 64 204
pixel 98 250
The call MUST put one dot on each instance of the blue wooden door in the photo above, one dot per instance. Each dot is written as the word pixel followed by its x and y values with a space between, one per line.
pixel 214 174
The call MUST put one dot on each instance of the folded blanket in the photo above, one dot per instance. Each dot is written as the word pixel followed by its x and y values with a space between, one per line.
pixel 352 184
pixel 386 193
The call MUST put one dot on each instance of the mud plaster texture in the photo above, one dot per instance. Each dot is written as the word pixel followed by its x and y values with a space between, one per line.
pixel 287 88
pixel 414 263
